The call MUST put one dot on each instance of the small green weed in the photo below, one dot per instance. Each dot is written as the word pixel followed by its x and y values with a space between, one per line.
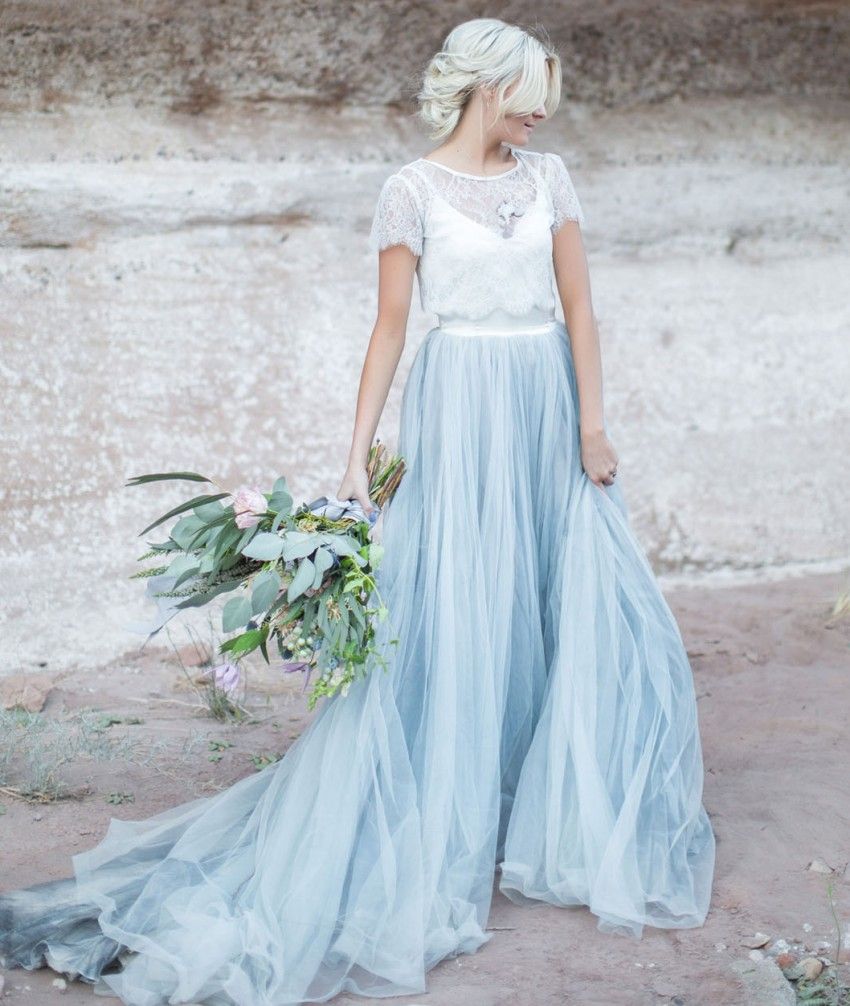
pixel 121 797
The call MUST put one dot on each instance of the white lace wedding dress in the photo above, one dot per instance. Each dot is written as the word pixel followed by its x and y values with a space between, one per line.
pixel 538 721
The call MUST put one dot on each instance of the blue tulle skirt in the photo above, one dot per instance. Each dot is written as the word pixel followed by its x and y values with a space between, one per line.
pixel 537 723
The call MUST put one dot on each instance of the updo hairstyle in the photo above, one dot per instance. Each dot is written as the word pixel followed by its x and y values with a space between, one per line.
pixel 488 52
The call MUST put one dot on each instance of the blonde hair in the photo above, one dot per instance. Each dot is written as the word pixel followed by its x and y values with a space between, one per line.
pixel 488 52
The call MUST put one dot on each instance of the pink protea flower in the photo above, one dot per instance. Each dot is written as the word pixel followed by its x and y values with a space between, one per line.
pixel 249 504
pixel 225 676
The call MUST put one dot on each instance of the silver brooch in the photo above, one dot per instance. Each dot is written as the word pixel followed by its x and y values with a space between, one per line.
pixel 506 212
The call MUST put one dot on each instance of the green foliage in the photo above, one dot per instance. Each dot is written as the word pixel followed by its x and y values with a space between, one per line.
pixel 264 546
pixel 237 612
pixel 304 581
pixel 38 748
pixel 121 797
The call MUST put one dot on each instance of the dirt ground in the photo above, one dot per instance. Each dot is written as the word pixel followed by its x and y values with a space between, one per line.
pixel 771 671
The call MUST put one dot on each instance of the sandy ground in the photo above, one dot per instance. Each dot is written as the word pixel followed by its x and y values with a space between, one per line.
pixel 770 668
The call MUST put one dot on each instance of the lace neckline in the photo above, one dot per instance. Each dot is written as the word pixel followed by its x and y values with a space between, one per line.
pixel 482 178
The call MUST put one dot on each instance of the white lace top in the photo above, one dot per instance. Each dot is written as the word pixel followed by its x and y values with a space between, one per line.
pixel 484 242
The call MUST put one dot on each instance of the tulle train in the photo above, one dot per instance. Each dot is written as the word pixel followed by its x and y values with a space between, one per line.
pixel 538 713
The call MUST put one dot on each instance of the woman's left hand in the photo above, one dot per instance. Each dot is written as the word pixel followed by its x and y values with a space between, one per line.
pixel 598 458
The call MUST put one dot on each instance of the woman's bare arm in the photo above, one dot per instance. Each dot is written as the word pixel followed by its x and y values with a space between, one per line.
pixel 573 281
pixel 396 269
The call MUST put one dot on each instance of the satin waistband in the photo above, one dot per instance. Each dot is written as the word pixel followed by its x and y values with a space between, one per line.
pixel 499 323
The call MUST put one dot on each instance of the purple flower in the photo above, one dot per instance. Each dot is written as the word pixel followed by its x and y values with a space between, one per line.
pixel 299 665
pixel 295 665
pixel 225 676
pixel 249 504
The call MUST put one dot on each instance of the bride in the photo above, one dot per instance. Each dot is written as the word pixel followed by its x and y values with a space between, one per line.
pixel 537 723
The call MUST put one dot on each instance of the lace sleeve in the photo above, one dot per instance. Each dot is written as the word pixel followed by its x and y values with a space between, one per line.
pixel 397 219
pixel 564 198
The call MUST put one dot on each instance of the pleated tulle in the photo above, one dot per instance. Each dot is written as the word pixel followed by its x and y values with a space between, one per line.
pixel 538 713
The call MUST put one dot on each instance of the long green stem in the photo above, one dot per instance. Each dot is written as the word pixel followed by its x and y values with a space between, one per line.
pixel 829 893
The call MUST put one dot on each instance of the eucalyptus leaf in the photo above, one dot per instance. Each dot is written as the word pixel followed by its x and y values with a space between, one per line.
pixel 247 534
pixel 344 544
pixel 295 612
pixel 140 480
pixel 207 564
pixel 322 619
pixel 186 576
pixel 280 502
pixel 209 511
pixel 302 580
pixel 186 529
pixel 181 563
pixel 266 587
pixel 277 604
pixel 308 624
pixel 226 540
pixel 323 559
pixel 209 529
pixel 300 544
pixel 215 532
pixel 236 614
pixel 318 576
pixel 245 642
pixel 182 508
pixel 164 546
pixel 265 546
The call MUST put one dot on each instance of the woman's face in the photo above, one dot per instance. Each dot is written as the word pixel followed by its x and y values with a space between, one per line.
pixel 517 130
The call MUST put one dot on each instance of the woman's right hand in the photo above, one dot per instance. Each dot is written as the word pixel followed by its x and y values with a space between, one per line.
pixel 598 457
pixel 355 486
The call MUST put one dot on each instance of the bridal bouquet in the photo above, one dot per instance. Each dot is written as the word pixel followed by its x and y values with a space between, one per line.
pixel 302 578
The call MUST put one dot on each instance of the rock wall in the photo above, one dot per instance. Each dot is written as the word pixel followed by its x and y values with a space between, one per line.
pixel 195 54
